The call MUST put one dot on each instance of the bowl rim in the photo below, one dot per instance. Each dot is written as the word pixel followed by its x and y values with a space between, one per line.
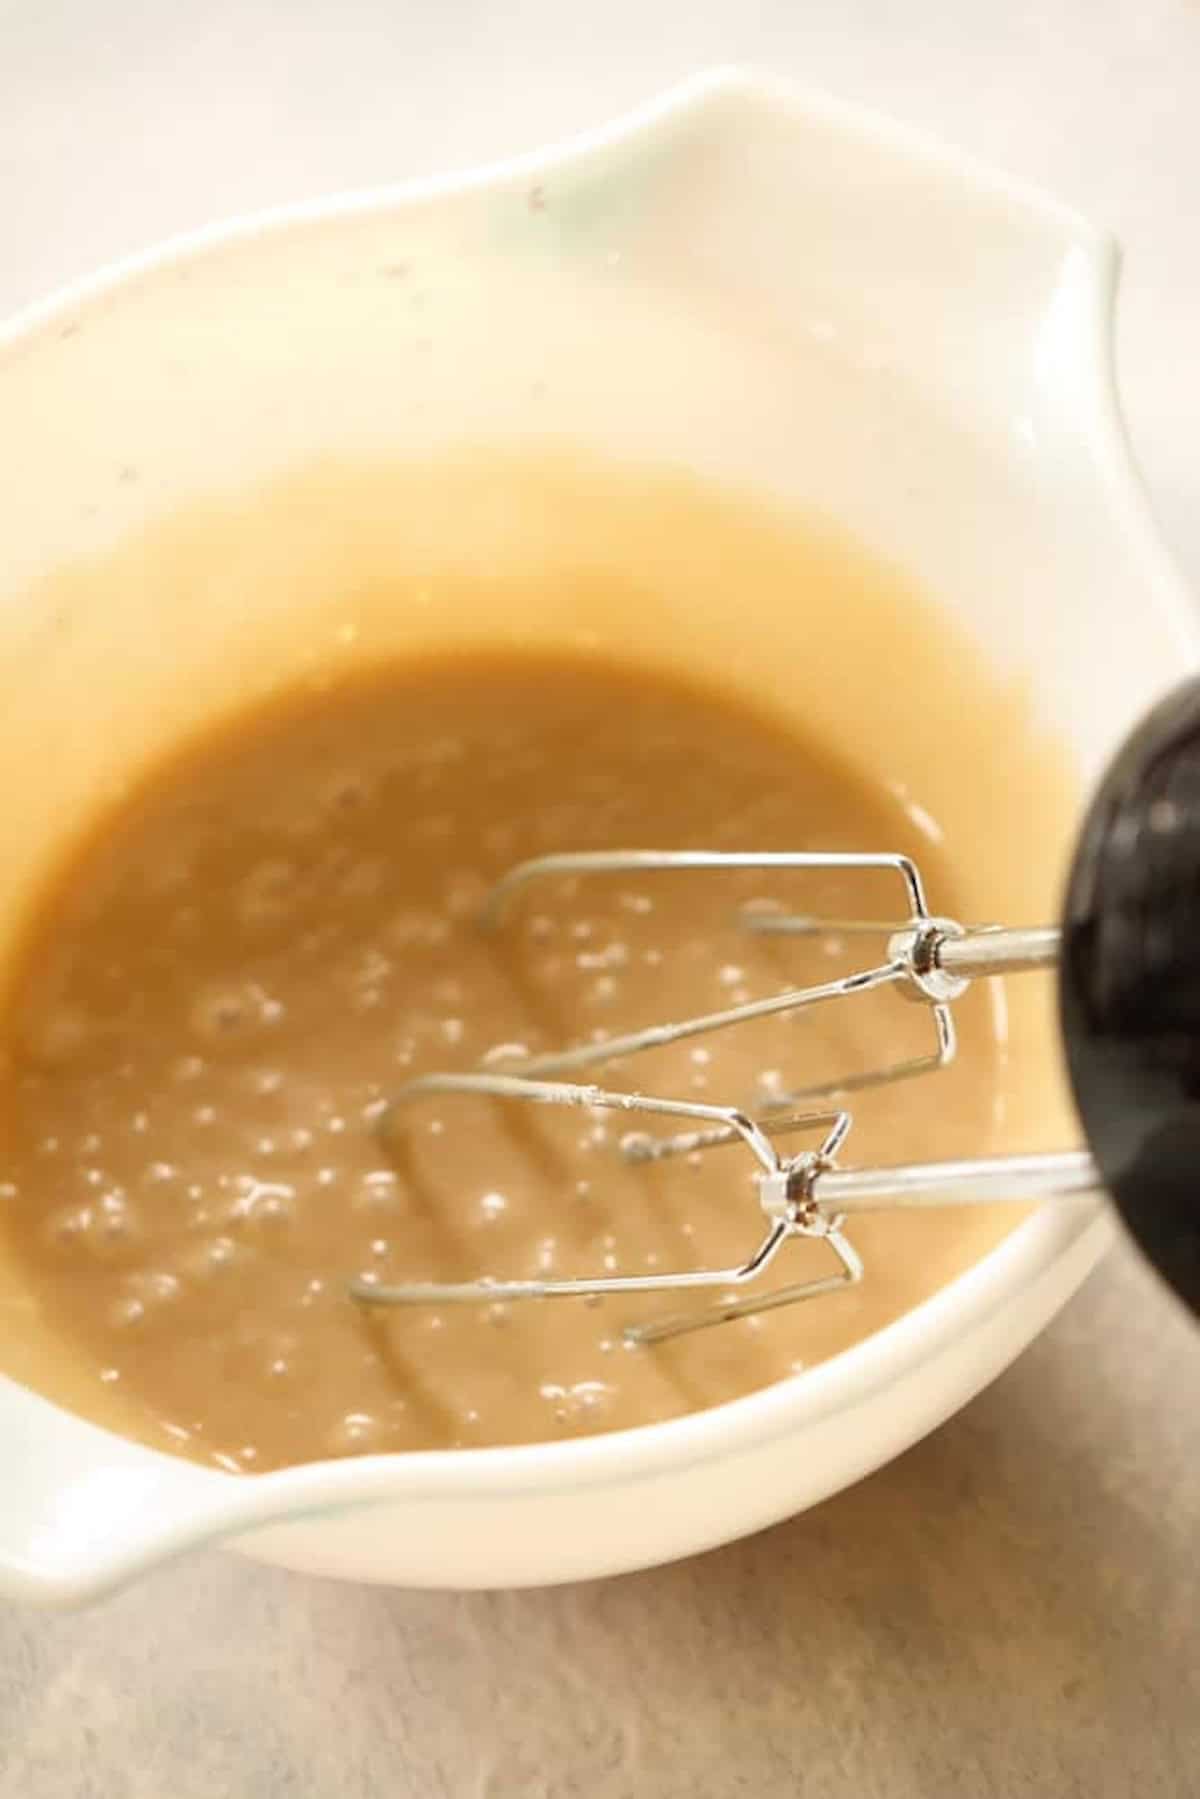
pixel 705 92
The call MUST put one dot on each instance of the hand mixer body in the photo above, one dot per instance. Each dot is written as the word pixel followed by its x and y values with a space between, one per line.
pixel 1129 986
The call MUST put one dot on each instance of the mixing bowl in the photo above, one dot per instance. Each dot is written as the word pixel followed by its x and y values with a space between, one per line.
pixel 761 286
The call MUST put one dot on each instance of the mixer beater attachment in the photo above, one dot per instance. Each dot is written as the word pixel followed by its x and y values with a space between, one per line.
pixel 928 959
pixel 1128 968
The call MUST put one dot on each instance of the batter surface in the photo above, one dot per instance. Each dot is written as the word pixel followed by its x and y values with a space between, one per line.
pixel 278 929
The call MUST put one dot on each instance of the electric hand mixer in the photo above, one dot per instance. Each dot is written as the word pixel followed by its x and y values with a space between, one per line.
pixel 1127 954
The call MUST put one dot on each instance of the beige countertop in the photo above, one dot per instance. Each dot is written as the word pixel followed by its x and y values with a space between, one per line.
pixel 1014 1606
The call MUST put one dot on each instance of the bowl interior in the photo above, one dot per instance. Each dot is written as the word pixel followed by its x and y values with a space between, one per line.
pixel 212 467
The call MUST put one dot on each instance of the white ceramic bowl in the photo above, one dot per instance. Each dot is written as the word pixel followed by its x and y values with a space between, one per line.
pixel 953 333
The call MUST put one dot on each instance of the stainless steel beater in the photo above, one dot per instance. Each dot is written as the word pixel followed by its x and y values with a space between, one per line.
pixel 1128 960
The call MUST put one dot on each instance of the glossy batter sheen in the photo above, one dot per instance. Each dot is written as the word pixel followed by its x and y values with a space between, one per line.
pixel 280 928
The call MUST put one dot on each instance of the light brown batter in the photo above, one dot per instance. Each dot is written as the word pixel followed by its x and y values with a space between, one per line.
pixel 278 928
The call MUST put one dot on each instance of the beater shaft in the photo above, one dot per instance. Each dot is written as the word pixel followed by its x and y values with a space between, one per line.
pixel 979 953
pixel 982 1180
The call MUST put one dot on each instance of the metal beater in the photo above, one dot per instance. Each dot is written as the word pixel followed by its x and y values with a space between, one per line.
pixel 1128 961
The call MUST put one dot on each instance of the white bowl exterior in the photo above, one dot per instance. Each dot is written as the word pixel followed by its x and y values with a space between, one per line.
pixel 952 336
